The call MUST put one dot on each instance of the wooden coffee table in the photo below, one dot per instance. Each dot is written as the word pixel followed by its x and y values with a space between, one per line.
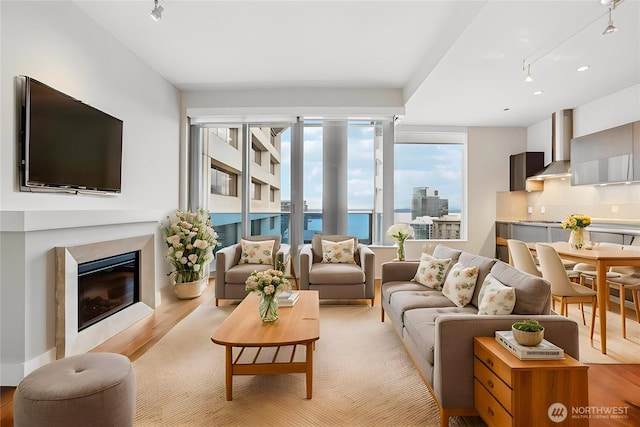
pixel 243 332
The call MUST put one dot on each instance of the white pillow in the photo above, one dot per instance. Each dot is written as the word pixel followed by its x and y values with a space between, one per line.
pixel 460 283
pixel 496 298
pixel 432 271
pixel 338 252
pixel 256 252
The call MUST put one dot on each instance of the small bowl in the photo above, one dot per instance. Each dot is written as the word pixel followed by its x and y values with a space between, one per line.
pixel 529 339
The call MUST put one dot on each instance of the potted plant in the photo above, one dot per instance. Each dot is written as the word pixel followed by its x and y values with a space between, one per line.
pixel 528 332
pixel 190 240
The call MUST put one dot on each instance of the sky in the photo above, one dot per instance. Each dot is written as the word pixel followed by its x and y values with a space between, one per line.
pixel 438 166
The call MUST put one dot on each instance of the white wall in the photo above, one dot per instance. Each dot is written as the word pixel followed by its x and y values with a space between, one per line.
pixel 56 43
pixel 613 203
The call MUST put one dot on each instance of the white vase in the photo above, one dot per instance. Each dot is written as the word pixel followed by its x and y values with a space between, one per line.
pixel 189 290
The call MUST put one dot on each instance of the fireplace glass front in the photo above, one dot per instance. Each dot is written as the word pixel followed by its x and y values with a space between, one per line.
pixel 106 286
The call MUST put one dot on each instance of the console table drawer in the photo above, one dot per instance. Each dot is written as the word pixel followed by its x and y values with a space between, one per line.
pixel 493 384
pixel 488 407
pixel 494 363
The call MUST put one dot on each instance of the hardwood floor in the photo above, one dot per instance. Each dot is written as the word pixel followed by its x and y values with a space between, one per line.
pixel 614 379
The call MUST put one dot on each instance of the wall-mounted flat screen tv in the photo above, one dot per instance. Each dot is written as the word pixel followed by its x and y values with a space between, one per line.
pixel 67 145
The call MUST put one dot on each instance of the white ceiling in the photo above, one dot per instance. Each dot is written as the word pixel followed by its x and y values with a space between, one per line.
pixel 458 63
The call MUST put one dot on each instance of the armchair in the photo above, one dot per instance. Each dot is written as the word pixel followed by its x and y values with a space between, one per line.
pixel 337 280
pixel 231 273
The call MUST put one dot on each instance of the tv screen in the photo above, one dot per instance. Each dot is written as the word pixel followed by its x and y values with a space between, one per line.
pixel 68 145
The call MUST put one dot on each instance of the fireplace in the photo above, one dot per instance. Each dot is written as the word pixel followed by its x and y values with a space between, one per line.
pixel 106 286
pixel 102 288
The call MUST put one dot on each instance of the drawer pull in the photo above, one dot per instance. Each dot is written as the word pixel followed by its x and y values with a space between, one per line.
pixel 490 411
pixel 490 383
pixel 489 361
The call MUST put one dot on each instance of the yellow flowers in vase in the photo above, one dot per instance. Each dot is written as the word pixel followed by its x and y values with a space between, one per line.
pixel 576 223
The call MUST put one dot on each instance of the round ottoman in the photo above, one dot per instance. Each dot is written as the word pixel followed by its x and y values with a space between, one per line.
pixel 93 389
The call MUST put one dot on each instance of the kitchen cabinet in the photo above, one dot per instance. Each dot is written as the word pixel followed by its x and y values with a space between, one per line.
pixel 522 166
pixel 603 157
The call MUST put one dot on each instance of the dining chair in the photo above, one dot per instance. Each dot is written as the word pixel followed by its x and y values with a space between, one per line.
pixel 522 258
pixel 564 290
pixel 629 279
pixel 587 272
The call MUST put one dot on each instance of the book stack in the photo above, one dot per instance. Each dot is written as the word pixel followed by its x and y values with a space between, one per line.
pixel 287 299
pixel 542 351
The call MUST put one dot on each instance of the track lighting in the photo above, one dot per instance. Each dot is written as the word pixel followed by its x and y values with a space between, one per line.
pixel 610 28
pixel 528 78
pixel 156 13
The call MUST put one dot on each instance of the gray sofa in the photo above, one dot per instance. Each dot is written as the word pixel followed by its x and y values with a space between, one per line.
pixel 438 335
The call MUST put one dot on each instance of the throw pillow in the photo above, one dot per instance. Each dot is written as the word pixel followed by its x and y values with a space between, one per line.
pixel 432 271
pixel 338 252
pixel 460 284
pixel 256 252
pixel 496 298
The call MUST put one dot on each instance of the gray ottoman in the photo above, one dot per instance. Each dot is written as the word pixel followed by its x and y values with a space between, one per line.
pixel 93 389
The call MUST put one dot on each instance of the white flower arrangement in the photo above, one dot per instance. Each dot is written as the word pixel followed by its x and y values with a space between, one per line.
pixel 267 282
pixel 190 240
pixel 400 232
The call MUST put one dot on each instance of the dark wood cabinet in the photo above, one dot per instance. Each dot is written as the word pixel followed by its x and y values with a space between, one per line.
pixel 522 166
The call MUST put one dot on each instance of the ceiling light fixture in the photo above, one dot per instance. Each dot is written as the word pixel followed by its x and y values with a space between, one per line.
pixel 528 78
pixel 538 92
pixel 610 28
pixel 156 13
pixel 583 68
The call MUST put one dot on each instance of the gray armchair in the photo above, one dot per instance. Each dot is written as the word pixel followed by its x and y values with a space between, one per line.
pixel 231 274
pixel 338 280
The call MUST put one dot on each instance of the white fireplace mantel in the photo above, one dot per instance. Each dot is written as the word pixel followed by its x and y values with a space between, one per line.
pixel 40 220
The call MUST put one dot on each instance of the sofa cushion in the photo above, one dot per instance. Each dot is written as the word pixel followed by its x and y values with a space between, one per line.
pixel 484 265
pixel 432 271
pixel 256 252
pixel 533 294
pixel 240 272
pixel 341 274
pixel 460 284
pixel 443 252
pixel 387 289
pixel 338 252
pixel 495 297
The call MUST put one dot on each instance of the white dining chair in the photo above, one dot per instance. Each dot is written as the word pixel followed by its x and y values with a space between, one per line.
pixel 629 279
pixel 522 258
pixel 564 290
pixel 587 272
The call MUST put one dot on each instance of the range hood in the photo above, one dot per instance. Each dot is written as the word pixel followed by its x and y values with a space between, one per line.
pixel 561 134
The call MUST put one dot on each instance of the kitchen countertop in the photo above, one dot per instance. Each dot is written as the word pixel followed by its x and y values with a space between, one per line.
pixel 618 228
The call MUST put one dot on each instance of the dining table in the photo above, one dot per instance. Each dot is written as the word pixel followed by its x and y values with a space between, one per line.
pixel 602 258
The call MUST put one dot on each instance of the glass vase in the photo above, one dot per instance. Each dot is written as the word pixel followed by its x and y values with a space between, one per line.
pixel 576 238
pixel 268 307
pixel 400 254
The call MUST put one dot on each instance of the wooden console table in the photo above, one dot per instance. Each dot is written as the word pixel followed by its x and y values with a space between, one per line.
pixel 513 392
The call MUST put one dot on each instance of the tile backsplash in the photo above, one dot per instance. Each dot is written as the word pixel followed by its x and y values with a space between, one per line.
pixel 613 203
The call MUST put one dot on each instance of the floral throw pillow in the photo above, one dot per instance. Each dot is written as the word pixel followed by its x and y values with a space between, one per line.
pixel 460 283
pixel 256 252
pixel 431 271
pixel 496 298
pixel 338 252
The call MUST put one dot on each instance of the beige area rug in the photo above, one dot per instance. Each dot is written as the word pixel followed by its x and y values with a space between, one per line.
pixel 362 377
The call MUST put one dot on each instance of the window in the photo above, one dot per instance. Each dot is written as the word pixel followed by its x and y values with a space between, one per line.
pixel 232 138
pixel 256 190
pixel 257 154
pixel 272 194
pixel 223 182
pixel 428 188
pixel 272 166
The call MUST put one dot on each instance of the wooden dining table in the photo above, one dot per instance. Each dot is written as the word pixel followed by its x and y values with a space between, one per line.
pixel 603 258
